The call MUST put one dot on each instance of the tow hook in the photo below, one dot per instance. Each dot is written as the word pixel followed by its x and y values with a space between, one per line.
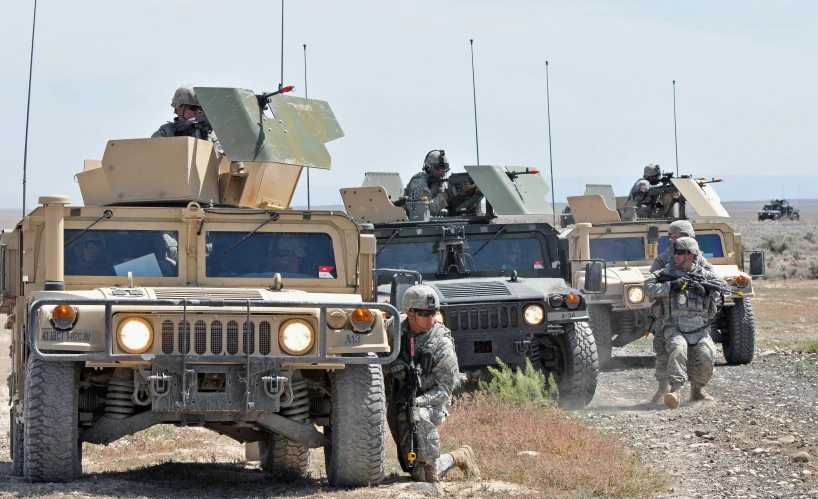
pixel 522 346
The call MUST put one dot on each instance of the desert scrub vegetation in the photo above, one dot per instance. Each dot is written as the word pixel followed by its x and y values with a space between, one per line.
pixel 522 437
pixel 791 248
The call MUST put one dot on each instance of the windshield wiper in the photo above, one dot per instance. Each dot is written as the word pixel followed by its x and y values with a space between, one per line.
pixel 502 229
pixel 105 215
pixel 387 242
pixel 273 218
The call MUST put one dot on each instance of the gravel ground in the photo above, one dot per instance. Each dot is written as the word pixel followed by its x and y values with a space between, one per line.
pixel 747 443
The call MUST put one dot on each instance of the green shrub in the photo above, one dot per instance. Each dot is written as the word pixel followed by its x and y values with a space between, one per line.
pixel 813 269
pixel 774 246
pixel 518 386
pixel 812 347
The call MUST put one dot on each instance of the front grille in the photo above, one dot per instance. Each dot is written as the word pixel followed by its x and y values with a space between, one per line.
pixel 209 337
pixel 473 289
pixel 482 317
pixel 206 294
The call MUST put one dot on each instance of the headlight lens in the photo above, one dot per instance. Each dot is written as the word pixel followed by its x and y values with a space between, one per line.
pixel 533 315
pixel 636 294
pixel 556 301
pixel 63 316
pixel 135 335
pixel 296 337
pixel 742 281
pixel 572 300
pixel 361 320
pixel 439 317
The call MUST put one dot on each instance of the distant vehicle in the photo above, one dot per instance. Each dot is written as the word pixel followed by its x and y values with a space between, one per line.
pixel 779 209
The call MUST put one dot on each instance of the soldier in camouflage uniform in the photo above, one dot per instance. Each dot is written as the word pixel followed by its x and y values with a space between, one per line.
pixel 190 121
pixel 431 184
pixel 434 395
pixel 640 196
pixel 679 228
pixel 689 309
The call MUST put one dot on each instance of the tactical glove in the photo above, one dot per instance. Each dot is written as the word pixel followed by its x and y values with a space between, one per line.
pixel 697 289
pixel 677 284
pixel 398 370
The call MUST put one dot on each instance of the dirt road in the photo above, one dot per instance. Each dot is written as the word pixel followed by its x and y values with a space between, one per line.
pixel 742 445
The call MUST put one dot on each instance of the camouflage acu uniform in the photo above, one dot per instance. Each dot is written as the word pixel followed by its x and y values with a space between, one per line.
pixel 686 325
pixel 420 186
pixel 169 129
pixel 657 312
pixel 640 196
pixel 434 394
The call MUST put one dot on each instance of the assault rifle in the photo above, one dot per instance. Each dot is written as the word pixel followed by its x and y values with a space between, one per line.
pixel 411 387
pixel 198 127
pixel 691 278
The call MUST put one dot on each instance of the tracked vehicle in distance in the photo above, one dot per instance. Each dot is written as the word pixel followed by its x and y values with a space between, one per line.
pixel 501 276
pixel 185 291
pixel 621 314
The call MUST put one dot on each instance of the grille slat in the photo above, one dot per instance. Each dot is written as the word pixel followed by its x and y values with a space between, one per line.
pixel 207 293
pixel 216 347
pixel 200 337
pixel 248 342
pixel 473 290
pixel 232 337
pixel 167 337
pixel 264 333
pixel 487 317
pixel 184 337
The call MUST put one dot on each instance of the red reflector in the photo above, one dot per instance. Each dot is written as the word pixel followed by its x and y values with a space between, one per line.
pixel 287 89
pixel 534 172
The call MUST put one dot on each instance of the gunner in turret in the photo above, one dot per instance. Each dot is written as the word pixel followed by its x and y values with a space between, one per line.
pixel 640 196
pixel 190 121
pixel 431 183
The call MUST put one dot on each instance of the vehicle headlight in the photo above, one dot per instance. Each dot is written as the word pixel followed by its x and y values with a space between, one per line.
pixel 134 335
pixel 439 317
pixel 636 294
pixel 63 317
pixel 533 315
pixel 556 301
pixel 742 281
pixel 361 320
pixel 572 300
pixel 296 337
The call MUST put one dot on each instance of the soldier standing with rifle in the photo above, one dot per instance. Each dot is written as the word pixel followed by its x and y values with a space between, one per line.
pixel 190 121
pixel 688 295
pixel 678 229
pixel 419 386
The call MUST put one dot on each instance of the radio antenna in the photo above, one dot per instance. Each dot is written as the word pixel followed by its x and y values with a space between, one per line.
pixel 281 82
pixel 28 105
pixel 675 136
pixel 550 156
pixel 306 96
pixel 474 92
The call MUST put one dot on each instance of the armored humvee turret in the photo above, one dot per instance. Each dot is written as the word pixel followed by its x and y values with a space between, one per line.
pixel 185 291
pixel 621 314
pixel 502 280
pixel 779 209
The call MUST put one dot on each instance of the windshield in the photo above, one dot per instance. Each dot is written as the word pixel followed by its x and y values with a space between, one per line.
pixel 501 254
pixel 770 207
pixel 710 244
pixel 298 255
pixel 618 249
pixel 144 253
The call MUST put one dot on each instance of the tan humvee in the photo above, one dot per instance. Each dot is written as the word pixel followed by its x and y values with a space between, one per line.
pixel 187 292
pixel 621 314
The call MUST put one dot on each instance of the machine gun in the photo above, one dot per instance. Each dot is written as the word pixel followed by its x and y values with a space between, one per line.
pixel 464 195
pixel 691 278
pixel 198 127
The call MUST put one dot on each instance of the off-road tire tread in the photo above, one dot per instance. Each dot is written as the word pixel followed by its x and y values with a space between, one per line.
pixel 742 331
pixel 358 440
pixel 285 459
pixel 600 321
pixel 52 448
pixel 578 383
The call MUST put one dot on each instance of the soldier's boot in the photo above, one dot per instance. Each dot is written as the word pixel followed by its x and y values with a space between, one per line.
pixel 672 398
pixel 430 472
pixel 465 460
pixel 418 472
pixel 661 391
pixel 697 393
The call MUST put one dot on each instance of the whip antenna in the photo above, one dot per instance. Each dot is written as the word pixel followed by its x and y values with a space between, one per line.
pixel 675 136
pixel 306 96
pixel 550 157
pixel 474 92
pixel 281 82
pixel 28 106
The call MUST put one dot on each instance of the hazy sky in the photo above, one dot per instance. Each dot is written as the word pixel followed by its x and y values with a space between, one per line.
pixel 398 77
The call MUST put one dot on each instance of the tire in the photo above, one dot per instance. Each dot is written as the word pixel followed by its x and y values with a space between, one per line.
pixel 357 450
pixel 794 217
pixel 776 217
pixel 600 322
pixel 16 451
pixel 52 446
pixel 577 366
pixel 739 343
pixel 280 456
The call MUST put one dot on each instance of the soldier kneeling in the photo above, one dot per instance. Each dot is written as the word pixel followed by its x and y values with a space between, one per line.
pixel 432 382
pixel 688 294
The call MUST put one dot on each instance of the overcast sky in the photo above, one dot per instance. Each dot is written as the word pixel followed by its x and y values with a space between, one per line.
pixel 398 77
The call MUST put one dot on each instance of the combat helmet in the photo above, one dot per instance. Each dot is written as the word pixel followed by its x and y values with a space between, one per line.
pixel 652 171
pixel 419 296
pixel 681 227
pixel 436 160
pixel 687 243
pixel 184 96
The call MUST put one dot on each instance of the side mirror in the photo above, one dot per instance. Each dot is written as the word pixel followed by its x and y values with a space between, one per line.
pixel 757 264
pixel 653 234
pixel 593 277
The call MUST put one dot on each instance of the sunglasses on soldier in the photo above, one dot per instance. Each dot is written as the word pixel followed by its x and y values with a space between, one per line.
pixel 423 313
pixel 680 252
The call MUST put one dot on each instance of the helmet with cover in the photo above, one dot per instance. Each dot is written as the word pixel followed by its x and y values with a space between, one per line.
pixel 688 244
pixel 184 96
pixel 652 171
pixel 421 297
pixel 436 160
pixel 681 227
